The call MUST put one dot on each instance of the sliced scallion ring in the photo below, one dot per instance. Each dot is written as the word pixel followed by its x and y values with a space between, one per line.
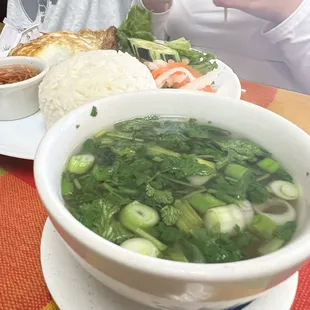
pixel 80 164
pixel 278 210
pixel 247 210
pixel 138 215
pixel 224 219
pixel 141 246
pixel 284 190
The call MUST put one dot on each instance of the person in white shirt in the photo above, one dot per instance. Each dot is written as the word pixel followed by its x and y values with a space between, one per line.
pixel 262 41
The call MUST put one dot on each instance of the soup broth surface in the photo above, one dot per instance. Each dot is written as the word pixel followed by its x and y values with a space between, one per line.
pixel 181 190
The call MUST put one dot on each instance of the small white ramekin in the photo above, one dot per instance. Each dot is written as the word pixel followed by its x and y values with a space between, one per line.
pixel 19 100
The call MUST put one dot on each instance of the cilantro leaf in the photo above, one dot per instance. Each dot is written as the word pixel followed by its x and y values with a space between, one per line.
pixel 138 124
pixel 168 234
pixel 176 141
pixel 99 217
pixel 257 192
pixel 235 188
pixel 244 149
pixel 160 196
pixel 89 146
pixel 216 248
pixel 244 239
pixel 170 215
pixel 286 231
pixel 185 166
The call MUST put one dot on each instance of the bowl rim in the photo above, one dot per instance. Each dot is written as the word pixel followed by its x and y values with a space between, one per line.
pixel 34 61
pixel 291 256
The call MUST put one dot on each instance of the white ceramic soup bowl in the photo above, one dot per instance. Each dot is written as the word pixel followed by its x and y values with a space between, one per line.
pixel 160 283
pixel 21 99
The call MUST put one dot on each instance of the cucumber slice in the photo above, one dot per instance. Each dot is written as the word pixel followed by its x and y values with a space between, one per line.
pixel 151 51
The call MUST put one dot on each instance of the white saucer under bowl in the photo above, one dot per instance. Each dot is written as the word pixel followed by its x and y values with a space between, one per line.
pixel 72 288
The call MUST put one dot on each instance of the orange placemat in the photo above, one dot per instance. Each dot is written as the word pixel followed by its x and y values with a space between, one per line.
pixel 22 217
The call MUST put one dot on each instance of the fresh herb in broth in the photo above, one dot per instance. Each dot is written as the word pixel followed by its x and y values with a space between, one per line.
pixel 181 190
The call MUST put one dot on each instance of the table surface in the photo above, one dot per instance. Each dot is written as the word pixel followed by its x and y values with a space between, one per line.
pixel 22 215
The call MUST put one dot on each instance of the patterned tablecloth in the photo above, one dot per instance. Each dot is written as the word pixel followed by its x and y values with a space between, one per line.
pixel 22 215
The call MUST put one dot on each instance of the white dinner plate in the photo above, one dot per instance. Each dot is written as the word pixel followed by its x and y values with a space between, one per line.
pixel 72 288
pixel 21 138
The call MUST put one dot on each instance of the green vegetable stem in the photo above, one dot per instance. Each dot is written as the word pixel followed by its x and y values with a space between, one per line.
pixel 236 171
pixel 189 219
pixel 203 202
pixel 263 226
pixel 271 246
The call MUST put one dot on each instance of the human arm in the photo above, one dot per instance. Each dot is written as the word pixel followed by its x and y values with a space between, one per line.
pixel 288 30
pixel 160 12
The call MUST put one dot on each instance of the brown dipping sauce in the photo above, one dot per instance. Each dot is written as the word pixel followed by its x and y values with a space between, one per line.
pixel 17 73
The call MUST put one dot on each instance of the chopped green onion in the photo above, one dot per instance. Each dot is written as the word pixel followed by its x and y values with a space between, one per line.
pixel 281 174
pixel 262 226
pixel 94 111
pixel 142 233
pixel 189 218
pixel 224 219
pixel 284 190
pixel 192 252
pixel 116 135
pixel 236 171
pixel 175 253
pixel 77 184
pixel 228 199
pixel 80 164
pixel 141 246
pixel 67 187
pixel 206 163
pixel 271 246
pixel 157 159
pixel 203 202
pixel 99 134
pixel 248 211
pixel 278 210
pixel 137 215
pixel 199 180
pixel 106 141
pixel 269 165
pixel 157 151
pixel 263 177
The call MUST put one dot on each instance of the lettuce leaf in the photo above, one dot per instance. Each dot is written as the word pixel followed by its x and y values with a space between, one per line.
pixel 199 61
pixel 138 24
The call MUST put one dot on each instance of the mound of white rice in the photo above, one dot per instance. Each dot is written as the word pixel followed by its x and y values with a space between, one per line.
pixel 89 76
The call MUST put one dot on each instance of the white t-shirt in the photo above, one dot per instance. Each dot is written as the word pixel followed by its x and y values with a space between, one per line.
pixel 277 55
pixel 72 15
pixel 255 49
